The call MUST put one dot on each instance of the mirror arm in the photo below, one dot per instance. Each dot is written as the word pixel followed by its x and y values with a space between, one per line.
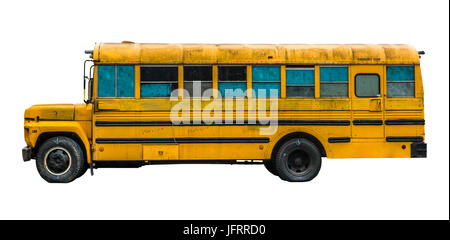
pixel 84 79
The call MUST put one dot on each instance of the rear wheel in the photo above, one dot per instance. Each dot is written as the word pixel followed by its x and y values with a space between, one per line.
pixel 270 166
pixel 298 160
pixel 60 160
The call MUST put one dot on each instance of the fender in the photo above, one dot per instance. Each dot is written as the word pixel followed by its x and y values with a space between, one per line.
pixel 35 129
pixel 290 130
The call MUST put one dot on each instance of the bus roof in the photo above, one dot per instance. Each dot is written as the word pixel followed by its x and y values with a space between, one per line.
pixel 146 53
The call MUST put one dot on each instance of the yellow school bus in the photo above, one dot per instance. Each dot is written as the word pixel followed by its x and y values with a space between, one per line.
pixel 286 106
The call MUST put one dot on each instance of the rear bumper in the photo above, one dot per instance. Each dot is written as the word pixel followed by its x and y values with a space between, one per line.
pixel 27 153
pixel 418 150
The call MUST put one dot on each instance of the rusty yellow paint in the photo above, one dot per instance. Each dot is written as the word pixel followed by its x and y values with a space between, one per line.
pixel 419 84
pixel 215 80
pixel 316 81
pixel 80 118
pixel 249 81
pixel 165 105
pixel 81 128
pixel 180 81
pixel 254 53
pixel 160 151
pixel 283 81
pixel 137 81
pixel 95 85
pixel 62 112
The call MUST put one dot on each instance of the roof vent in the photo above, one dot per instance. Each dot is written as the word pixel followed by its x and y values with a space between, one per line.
pixel 127 41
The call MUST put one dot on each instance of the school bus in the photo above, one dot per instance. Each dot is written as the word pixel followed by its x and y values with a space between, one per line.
pixel 286 106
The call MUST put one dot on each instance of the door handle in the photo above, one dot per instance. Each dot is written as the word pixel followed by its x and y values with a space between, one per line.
pixel 375 105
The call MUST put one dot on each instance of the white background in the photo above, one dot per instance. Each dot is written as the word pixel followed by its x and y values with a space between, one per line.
pixel 42 44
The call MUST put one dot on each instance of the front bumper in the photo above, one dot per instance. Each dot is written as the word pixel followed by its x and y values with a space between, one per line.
pixel 418 150
pixel 27 153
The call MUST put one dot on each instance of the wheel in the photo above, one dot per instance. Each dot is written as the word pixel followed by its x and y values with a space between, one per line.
pixel 60 160
pixel 270 166
pixel 83 169
pixel 298 160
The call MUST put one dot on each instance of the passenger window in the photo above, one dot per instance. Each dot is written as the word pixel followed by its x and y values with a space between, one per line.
pixel 400 81
pixel 197 77
pixel 333 81
pixel 232 81
pixel 300 81
pixel 266 78
pixel 115 81
pixel 158 81
pixel 367 85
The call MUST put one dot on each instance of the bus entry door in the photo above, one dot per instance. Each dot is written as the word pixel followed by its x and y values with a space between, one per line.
pixel 367 101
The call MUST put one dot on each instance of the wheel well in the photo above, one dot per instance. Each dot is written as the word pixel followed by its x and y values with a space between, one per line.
pixel 299 135
pixel 45 136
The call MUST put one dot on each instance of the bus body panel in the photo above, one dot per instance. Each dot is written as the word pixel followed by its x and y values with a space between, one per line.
pixel 140 129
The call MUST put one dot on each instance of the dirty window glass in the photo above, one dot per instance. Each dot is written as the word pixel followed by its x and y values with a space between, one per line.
pixel 367 85
pixel 106 81
pixel 232 81
pixel 125 81
pixel 158 81
pixel 266 81
pixel 197 79
pixel 333 81
pixel 115 81
pixel 400 81
pixel 300 81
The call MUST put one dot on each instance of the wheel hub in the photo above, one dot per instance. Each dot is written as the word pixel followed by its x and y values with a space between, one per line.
pixel 298 162
pixel 58 161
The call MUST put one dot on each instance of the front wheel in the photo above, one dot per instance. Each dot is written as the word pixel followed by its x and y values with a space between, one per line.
pixel 298 160
pixel 60 160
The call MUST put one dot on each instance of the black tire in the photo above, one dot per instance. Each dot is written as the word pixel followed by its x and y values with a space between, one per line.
pixel 60 160
pixel 83 169
pixel 298 160
pixel 270 166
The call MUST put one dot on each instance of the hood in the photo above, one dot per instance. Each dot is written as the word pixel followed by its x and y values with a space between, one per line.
pixel 51 112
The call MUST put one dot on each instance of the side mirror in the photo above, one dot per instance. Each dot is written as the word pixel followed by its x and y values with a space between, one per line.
pixel 87 78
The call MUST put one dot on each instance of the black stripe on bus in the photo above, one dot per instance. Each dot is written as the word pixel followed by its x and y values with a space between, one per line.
pixel 404 139
pixel 338 139
pixel 181 140
pixel 315 122
pixel 405 122
pixel 367 122
pixel 131 123
pixel 169 123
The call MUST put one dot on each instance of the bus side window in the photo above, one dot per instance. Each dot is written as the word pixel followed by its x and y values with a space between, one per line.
pixel 400 81
pixel 266 78
pixel 333 81
pixel 300 81
pixel 232 81
pixel 158 81
pixel 115 81
pixel 197 76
